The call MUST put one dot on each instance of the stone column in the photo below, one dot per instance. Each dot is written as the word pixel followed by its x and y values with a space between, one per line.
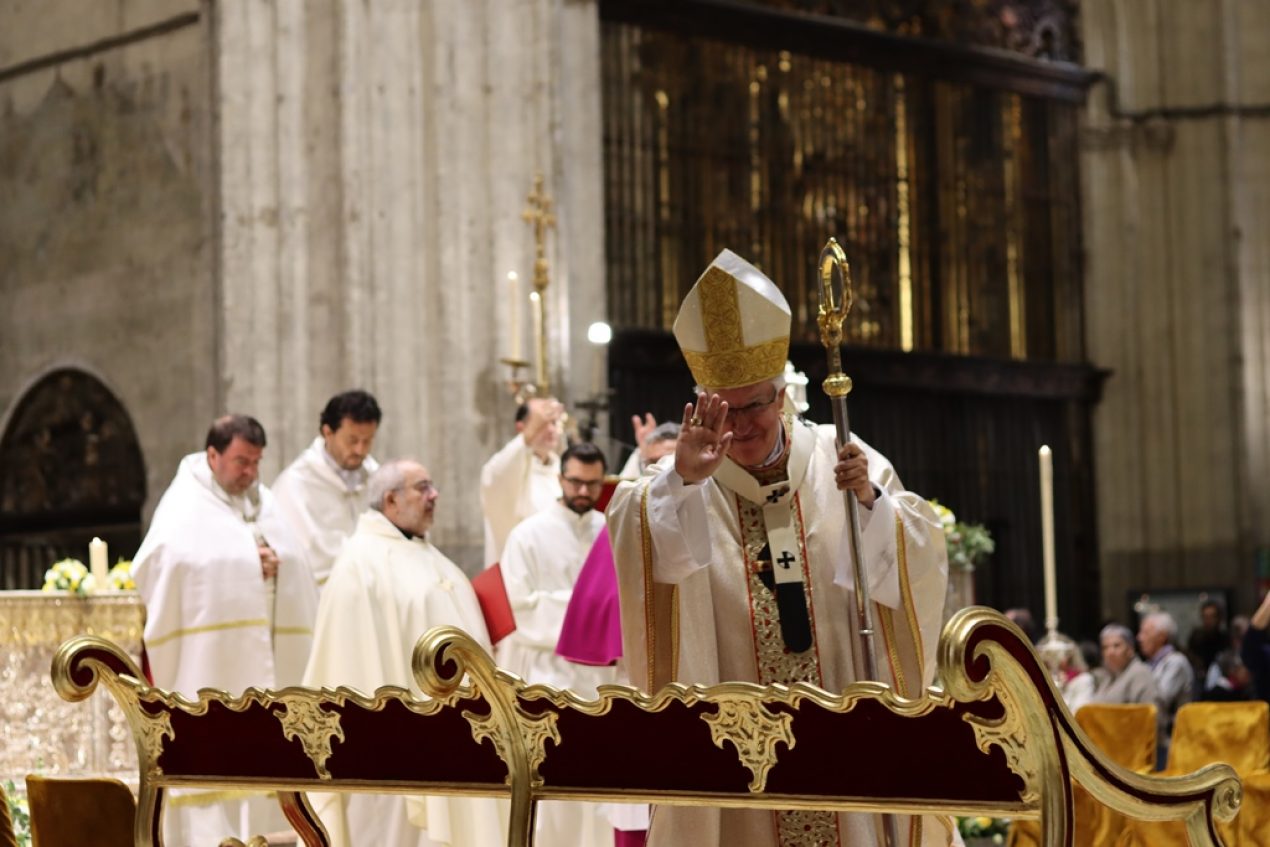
pixel 1176 165
pixel 375 158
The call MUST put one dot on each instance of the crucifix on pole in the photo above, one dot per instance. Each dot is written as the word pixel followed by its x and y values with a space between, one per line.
pixel 540 216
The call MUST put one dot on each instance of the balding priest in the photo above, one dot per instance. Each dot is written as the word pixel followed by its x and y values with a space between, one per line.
pixel 229 602
pixel 388 587
pixel 744 533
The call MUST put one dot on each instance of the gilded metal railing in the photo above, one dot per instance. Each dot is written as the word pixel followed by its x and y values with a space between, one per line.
pixel 995 738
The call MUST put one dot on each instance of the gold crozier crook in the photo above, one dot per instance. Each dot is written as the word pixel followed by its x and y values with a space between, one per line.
pixel 835 303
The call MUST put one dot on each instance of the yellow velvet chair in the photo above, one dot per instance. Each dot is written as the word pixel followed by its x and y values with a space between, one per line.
pixel 7 838
pixel 1204 733
pixel 76 812
pixel 1126 733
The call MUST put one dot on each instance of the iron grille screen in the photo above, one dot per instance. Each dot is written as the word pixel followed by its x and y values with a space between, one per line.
pixel 957 204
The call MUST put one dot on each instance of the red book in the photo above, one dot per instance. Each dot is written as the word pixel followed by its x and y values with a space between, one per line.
pixel 497 609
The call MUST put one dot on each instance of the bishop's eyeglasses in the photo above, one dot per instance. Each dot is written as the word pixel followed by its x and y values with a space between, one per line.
pixel 750 411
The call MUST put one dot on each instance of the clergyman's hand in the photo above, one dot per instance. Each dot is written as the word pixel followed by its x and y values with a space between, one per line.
pixel 543 425
pixel 268 562
pixel 642 428
pixel 702 442
pixel 852 473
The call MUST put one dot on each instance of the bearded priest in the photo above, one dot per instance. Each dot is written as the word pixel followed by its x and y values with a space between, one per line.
pixel 229 602
pixel 749 572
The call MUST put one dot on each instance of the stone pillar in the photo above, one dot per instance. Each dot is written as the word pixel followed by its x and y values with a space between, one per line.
pixel 375 158
pixel 1176 166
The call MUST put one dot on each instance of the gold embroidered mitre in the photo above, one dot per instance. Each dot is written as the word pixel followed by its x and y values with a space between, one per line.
pixel 733 327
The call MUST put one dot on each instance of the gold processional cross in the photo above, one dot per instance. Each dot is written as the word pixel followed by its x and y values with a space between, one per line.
pixel 540 216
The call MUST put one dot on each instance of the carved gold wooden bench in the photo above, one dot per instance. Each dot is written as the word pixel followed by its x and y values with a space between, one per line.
pixel 994 739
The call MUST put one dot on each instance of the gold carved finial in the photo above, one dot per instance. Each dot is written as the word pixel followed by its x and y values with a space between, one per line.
pixel 540 216
pixel 835 304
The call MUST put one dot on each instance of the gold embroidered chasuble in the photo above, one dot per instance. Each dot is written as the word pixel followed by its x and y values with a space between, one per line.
pixel 696 567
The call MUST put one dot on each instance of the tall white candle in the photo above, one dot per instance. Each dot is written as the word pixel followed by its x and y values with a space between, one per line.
pixel 599 334
pixel 97 562
pixel 535 313
pixel 1047 538
pixel 513 282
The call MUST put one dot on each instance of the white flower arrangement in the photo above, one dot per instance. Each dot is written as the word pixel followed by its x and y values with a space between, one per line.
pixel 69 575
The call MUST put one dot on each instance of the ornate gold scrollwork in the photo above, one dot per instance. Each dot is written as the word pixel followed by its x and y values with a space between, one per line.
pixel 982 657
pixel 754 732
pixel 305 719
pixel 151 730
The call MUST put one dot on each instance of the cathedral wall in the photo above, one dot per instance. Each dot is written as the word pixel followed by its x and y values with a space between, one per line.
pixel 251 206
pixel 373 164
pixel 104 238
pixel 1174 181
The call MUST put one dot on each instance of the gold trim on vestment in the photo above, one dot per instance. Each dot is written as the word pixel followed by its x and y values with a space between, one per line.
pixel 720 311
pixel 906 591
pixel 892 650
pixel 151 643
pixel 738 368
pixel 650 624
pixel 774 662
pixel 292 630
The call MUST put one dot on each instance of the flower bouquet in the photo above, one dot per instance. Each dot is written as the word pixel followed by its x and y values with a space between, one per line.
pixel 69 575
pixel 968 544
pixel 983 830
pixel 120 576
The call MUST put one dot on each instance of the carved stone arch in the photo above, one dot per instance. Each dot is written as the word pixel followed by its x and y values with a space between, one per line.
pixel 70 469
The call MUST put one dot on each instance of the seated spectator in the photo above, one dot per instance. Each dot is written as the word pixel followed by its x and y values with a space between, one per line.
pixel 1068 669
pixel 1123 677
pixel 1174 677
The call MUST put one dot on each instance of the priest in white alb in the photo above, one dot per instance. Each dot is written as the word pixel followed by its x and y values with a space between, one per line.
pixel 229 604
pixel 324 490
pixel 541 562
pixel 522 478
pixel 733 560
pixel 388 587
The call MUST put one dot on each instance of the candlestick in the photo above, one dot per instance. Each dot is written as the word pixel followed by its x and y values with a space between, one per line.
pixel 97 563
pixel 540 352
pixel 513 280
pixel 1047 538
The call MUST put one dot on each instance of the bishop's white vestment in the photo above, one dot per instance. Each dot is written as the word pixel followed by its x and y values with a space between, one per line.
pixel 515 484
pixel 706 610
pixel 321 504
pixel 212 620
pixel 540 564
pixel 384 592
